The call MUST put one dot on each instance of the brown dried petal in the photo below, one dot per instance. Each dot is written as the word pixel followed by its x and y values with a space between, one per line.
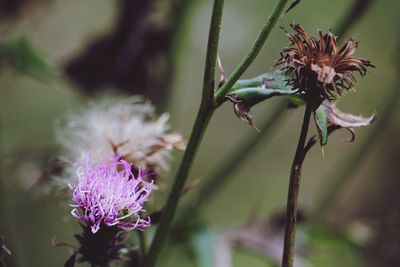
pixel 168 142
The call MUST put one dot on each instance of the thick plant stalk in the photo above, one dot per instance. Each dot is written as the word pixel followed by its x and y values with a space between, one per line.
pixel 252 54
pixel 205 112
pixel 293 193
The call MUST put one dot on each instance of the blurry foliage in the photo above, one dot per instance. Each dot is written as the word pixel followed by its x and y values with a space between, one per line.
pixel 137 57
pixel 329 247
pixel 318 245
pixel 19 54
pixel 203 245
pixel 14 9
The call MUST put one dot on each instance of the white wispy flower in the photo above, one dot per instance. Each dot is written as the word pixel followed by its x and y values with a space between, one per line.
pixel 127 127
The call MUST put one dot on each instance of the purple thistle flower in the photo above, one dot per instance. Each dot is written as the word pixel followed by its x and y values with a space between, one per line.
pixel 107 193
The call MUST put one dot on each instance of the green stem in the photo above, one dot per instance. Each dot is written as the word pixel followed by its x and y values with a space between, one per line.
pixel 292 200
pixel 205 112
pixel 223 171
pixel 252 54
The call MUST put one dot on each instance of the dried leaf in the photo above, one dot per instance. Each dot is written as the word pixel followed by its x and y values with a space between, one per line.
pixel 241 111
pixel 346 120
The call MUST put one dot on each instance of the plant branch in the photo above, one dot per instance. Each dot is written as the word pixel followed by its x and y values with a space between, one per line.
pixel 203 117
pixel 252 54
pixel 293 193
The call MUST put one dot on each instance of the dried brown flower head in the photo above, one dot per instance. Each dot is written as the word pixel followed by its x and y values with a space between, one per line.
pixel 319 69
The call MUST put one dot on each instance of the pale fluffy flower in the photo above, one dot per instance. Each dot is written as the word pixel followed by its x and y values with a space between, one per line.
pixel 125 127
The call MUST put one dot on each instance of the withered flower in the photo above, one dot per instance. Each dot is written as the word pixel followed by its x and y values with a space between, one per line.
pixel 318 68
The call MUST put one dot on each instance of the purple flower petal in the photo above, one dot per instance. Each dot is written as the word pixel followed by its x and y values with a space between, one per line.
pixel 107 193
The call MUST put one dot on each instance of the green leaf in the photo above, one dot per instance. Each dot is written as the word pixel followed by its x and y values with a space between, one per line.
pixel 321 119
pixel 23 57
pixel 247 93
pixel 203 244
pixel 253 91
pixel 335 248
pixel 272 80
pixel 255 95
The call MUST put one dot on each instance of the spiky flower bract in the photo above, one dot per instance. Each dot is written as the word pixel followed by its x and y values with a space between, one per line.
pixel 126 127
pixel 108 194
pixel 318 68
pixel 102 248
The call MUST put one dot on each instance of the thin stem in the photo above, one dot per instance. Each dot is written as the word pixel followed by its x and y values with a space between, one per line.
pixel 293 193
pixel 252 54
pixel 203 117
pixel 219 176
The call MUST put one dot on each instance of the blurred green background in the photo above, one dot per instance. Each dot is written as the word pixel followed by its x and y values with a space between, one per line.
pixel 31 103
